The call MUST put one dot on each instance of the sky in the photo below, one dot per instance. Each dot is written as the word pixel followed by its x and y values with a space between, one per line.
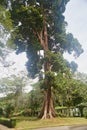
pixel 17 65
pixel 76 16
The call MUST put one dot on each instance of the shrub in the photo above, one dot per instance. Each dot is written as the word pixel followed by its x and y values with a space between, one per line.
pixel 1 111
pixel 26 112
pixel 8 122
pixel 85 112
pixel 9 110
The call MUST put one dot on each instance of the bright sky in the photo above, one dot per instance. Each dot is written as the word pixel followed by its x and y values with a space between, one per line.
pixel 76 16
pixel 17 65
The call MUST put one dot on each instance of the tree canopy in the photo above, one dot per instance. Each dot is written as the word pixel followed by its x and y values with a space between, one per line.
pixel 42 25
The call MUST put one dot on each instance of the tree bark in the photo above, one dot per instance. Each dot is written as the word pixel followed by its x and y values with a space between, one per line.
pixel 47 108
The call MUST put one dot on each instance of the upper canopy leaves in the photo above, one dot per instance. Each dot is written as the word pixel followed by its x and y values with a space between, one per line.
pixel 34 15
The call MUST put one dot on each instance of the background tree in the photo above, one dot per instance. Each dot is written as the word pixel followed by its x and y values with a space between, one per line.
pixel 35 102
pixel 13 88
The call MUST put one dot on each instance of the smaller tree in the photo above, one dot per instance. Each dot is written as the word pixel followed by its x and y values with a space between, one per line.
pixel 35 99
pixel 13 86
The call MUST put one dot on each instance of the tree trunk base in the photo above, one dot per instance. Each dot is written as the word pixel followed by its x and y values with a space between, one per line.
pixel 47 111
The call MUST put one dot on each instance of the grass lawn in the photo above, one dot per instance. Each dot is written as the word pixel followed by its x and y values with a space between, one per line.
pixel 27 124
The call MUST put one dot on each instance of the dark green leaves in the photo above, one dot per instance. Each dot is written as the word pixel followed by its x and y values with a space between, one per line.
pixel 57 61
pixel 73 45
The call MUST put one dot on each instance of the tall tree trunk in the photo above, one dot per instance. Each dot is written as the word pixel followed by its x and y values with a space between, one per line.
pixel 47 108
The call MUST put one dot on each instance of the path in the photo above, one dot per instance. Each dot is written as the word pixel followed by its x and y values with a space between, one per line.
pixel 5 128
pixel 79 128
pixel 53 128
pixel 65 128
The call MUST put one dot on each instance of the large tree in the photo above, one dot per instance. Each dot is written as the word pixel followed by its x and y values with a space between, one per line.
pixel 41 25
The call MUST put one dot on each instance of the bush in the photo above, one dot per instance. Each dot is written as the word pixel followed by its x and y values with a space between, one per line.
pixel 61 111
pixel 1 111
pixel 26 112
pixel 16 114
pixel 11 123
pixel 85 112
pixel 9 110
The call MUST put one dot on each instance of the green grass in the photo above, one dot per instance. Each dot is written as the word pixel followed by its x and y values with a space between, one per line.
pixel 37 123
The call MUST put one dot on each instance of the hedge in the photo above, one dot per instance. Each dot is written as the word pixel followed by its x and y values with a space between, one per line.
pixel 11 123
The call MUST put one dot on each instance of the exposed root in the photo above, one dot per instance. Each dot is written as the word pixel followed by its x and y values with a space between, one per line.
pixel 47 111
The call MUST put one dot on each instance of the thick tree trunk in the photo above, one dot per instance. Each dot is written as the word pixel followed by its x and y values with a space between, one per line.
pixel 47 109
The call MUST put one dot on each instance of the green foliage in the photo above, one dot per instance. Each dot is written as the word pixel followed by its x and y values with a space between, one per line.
pixel 9 109
pixel 62 111
pixel 69 89
pixel 11 123
pixel 5 18
pixel 1 111
pixel 35 101
pixel 85 112
pixel 10 44
pixel 50 80
pixel 27 112
pixel 50 76
pixel 30 18
pixel 13 89
pixel 72 65
pixel 82 79
pixel 56 60
pixel 73 45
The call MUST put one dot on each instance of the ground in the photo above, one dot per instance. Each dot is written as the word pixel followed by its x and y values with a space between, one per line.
pixel 52 128
pixel 65 128
pixel 5 128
